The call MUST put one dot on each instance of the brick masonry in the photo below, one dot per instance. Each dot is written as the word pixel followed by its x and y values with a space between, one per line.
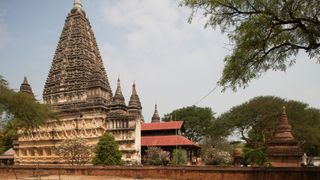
pixel 168 172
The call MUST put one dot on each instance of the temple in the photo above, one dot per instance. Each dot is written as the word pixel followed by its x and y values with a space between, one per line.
pixel 283 150
pixel 78 87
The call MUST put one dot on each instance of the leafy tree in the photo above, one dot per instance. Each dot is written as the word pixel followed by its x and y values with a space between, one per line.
pixel 107 151
pixel 19 111
pixel 179 157
pixel 197 121
pixel 156 156
pixel 74 151
pixel 265 34
pixel 256 121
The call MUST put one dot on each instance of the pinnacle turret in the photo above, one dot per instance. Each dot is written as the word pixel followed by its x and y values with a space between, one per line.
pixel 155 117
pixel 134 102
pixel 118 101
pixel 26 88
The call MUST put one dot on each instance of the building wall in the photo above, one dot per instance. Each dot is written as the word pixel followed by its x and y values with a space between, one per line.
pixel 37 147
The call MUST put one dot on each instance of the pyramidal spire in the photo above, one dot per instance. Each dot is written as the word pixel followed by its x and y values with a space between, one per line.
pixel 77 66
pixel 118 98
pixel 155 117
pixel 26 88
pixel 77 4
pixel 283 150
pixel 284 129
pixel 134 102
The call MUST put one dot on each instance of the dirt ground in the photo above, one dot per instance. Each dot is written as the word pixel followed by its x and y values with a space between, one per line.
pixel 63 177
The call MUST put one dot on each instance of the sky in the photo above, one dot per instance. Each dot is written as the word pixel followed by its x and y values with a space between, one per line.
pixel 173 62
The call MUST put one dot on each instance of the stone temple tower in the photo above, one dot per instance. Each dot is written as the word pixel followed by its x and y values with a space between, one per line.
pixel 78 88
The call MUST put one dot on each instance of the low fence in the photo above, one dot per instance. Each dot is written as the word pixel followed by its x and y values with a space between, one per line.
pixel 170 172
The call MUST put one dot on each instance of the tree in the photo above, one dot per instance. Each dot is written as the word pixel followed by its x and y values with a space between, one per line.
pixel 19 111
pixel 265 34
pixel 256 121
pixel 197 121
pixel 74 151
pixel 107 151
pixel 156 156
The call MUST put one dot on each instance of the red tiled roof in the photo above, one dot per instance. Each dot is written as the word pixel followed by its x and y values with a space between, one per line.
pixel 175 140
pixel 161 125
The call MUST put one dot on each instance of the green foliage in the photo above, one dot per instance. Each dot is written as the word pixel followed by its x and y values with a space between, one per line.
pixel 26 112
pixel 74 151
pixel 255 156
pixel 256 120
pixel 265 34
pixel 19 110
pixel 213 156
pixel 107 151
pixel 197 121
pixel 156 156
pixel 179 157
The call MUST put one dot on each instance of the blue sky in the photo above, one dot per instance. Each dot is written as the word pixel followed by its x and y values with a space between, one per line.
pixel 174 63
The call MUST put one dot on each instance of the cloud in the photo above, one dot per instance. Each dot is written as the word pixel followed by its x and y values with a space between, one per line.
pixel 175 63
pixel 161 51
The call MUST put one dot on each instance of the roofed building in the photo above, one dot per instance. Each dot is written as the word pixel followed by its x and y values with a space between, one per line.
pixel 168 136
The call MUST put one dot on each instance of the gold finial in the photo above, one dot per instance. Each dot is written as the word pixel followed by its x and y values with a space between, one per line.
pixel 77 4
pixel 284 110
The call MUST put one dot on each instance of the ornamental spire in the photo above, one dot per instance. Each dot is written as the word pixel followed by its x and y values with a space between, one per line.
pixel 26 88
pixel 77 4
pixel 155 117
pixel 134 102
pixel 118 98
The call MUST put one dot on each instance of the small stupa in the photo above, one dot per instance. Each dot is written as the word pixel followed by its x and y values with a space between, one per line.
pixel 283 150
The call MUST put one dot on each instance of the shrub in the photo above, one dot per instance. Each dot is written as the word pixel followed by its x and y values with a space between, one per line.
pixel 107 152
pixel 179 157
pixel 212 156
pixel 254 156
pixel 156 156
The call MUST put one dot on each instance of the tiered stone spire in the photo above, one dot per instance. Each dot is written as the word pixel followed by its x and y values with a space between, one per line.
pixel 26 88
pixel 76 66
pixel 155 117
pixel 118 102
pixel 134 103
pixel 283 150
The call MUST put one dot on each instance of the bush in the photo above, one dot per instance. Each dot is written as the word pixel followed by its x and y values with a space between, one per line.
pixel 156 156
pixel 179 157
pixel 212 156
pixel 254 156
pixel 107 152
